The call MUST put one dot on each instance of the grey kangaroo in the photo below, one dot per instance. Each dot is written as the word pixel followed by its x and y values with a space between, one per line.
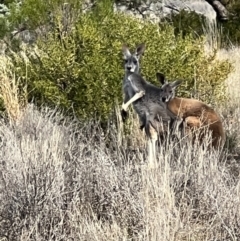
pixel 133 83
pixel 145 98
pixel 131 65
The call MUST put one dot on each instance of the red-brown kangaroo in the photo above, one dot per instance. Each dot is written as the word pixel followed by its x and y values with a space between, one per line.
pixel 195 114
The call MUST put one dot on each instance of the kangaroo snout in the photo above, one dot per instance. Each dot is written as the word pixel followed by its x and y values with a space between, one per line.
pixel 164 99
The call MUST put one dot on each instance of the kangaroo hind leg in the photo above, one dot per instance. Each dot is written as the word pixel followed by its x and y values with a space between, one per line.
pixel 152 147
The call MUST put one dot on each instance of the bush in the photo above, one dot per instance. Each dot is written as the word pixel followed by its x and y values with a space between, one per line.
pixel 82 69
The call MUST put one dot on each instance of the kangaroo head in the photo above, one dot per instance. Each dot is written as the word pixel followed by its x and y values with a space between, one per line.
pixel 168 88
pixel 131 60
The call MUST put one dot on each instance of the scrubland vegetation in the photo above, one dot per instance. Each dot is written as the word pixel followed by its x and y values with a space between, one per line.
pixel 70 169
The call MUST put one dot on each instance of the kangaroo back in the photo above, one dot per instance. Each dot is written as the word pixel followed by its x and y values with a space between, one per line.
pixel 198 114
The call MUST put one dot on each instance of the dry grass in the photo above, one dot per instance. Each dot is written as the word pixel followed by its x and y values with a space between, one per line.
pixel 13 96
pixel 233 83
pixel 63 181
pixel 231 109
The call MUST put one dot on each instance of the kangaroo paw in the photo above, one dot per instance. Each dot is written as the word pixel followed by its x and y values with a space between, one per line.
pixel 141 93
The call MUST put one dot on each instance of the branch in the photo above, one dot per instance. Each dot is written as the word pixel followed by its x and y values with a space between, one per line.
pixel 221 11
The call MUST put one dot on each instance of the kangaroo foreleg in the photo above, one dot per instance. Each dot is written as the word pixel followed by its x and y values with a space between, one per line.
pixel 134 98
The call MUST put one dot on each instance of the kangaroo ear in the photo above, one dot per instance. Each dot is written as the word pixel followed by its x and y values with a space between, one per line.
pixel 125 51
pixel 176 83
pixel 140 49
pixel 161 78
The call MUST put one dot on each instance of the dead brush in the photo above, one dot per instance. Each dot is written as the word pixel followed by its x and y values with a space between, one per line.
pixel 60 181
pixel 12 93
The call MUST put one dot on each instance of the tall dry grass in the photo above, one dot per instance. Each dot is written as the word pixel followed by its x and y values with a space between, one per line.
pixel 231 109
pixel 12 92
pixel 64 180
pixel 233 83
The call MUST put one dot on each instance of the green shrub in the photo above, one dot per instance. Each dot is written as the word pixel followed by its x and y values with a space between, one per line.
pixel 83 68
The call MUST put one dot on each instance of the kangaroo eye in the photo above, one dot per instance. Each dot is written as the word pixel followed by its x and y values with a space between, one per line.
pixel 170 91
pixel 135 61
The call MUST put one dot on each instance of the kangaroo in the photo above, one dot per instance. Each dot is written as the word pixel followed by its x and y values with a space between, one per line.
pixel 145 99
pixel 195 114
pixel 134 86
pixel 131 65
pixel 150 108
